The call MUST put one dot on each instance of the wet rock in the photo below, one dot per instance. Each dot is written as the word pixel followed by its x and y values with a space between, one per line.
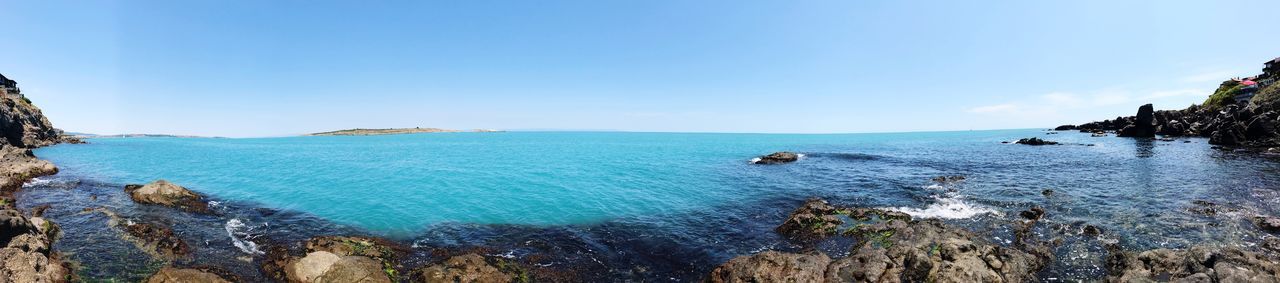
pixel 928 250
pixel 1205 208
pixel 1268 223
pixel 777 158
pixel 334 259
pixel 464 268
pixel 1035 213
pixel 1197 264
pixel 1143 126
pixel 25 255
pixel 1065 128
pixel 815 219
pixel 1091 230
pixel 1035 141
pixel 157 240
pixel 1047 192
pixel 772 266
pixel 1098 135
pixel 164 193
pixel 185 275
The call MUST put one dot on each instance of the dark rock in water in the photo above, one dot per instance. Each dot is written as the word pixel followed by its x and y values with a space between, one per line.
pixel 465 268
pixel 164 193
pixel 1065 128
pixel 1091 230
pixel 1047 192
pixel 1197 264
pixel 157 240
pixel 815 219
pixel 1204 208
pixel 1035 141
pixel 1230 134
pixel 948 179
pixel 170 274
pixel 772 266
pixel 1268 223
pixel 1098 135
pixel 1143 126
pixel 1035 213
pixel 777 158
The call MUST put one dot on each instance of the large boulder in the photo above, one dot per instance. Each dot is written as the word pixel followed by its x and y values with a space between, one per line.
pixel 777 158
pixel 185 275
pixel 814 219
pixel 335 259
pixel 164 193
pixel 1143 126
pixel 464 268
pixel 26 254
pixel 1197 264
pixel 772 266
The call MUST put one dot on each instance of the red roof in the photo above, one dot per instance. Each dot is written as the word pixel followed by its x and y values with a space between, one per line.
pixel 1248 83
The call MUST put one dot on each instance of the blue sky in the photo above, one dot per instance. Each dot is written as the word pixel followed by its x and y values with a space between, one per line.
pixel 271 68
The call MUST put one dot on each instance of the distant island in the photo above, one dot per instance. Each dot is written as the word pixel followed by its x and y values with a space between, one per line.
pixel 394 131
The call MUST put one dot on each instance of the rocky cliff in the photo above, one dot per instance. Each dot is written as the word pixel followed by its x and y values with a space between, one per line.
pixel 26 241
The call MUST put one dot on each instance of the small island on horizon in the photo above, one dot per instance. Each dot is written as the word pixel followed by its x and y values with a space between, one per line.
pixel 395 131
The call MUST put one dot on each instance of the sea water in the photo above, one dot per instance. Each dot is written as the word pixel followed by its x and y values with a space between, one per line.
pixel 676 202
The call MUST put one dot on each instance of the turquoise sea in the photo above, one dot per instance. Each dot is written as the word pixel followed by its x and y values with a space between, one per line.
pixel 675 204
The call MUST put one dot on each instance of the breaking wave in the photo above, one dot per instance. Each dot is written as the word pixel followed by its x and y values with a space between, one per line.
pixel 242 236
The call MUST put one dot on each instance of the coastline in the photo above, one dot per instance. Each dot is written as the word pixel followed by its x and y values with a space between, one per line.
pixel 393 131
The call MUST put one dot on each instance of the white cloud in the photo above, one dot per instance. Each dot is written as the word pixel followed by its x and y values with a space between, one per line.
pixel 998 108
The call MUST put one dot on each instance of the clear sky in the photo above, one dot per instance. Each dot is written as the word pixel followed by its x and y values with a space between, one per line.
pixel 271 68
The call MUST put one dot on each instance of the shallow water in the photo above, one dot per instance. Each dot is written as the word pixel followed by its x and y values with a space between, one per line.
pixel 652 206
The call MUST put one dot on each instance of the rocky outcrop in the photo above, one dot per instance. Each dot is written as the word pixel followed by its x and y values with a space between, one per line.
pixel 772 266
pixel 164 193
pixel 185 275
pixel 1269 224
pixel 777 158
pixel 335 259
pixel 1197 264
pixel 157 240
pixel 1065 128
pixel 464 268
pixel 25 251
pixel 1035 141
pixel 890 247
pixel 1143 124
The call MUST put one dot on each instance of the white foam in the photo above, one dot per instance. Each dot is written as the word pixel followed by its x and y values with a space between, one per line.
pixel 240 235
pixel 755 160
pixel 946 208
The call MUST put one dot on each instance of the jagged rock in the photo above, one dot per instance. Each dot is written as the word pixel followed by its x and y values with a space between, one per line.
pixel 185 275
pixel 25 255
pixel 1197 264
pixel 948 179
pixel 1035 141
pixel 464 268
pixel 1143 126
pixel 815 219
pixel 772 266
pixel 164 193
pixel 777 158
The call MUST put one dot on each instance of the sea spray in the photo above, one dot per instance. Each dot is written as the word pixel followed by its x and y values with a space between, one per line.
pixel 242 235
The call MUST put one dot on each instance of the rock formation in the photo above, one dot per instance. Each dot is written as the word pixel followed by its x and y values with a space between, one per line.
pixel 891 247
pixel 464 268
pixel 1035 141
pixel 185 275
pixel 777 158
pixel 26 253
pixel 1197 264
pixel 335 259
pixel 1142 126
pixel 164 193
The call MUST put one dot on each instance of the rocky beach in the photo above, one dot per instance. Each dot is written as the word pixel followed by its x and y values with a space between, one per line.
pixel 177 231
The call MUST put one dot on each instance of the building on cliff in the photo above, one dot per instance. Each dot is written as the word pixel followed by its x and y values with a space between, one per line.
pixel 9 87
pixel 1271 69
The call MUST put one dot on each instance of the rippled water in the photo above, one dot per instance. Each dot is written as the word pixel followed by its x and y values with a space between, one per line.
pixel 646 205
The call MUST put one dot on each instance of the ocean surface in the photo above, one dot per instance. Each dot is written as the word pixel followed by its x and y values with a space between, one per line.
pixel 650 206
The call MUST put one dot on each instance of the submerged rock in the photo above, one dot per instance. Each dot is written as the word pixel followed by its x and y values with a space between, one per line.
pixel 772 266
pixel 1197 264
pixel 464 268
pixel 1269 224
pixel 1035 141
pixel 157 240
pixel 185 275
pixel 164 193
pixel 1035 213
pixel 777 158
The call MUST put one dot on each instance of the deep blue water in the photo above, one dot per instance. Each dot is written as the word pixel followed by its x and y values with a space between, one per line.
pixel 651 205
